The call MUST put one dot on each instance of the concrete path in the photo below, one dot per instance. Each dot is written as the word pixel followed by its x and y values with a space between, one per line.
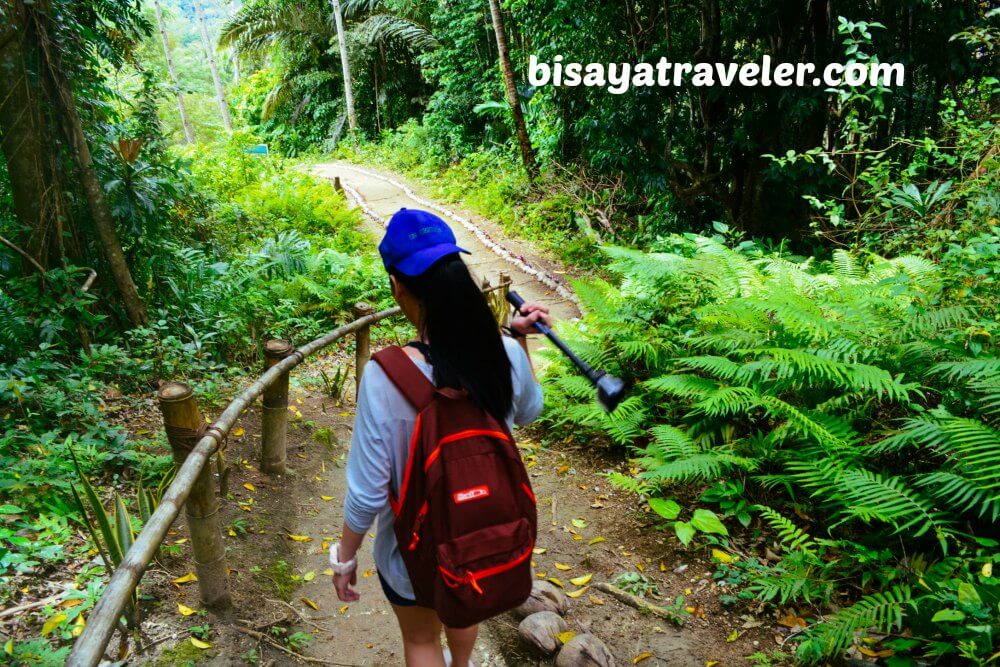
pixel 529 270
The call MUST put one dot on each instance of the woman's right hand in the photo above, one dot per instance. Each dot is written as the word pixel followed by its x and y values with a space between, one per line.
pixel 524 322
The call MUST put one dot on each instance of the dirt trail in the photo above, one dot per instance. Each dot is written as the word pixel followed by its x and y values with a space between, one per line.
pixel 575 504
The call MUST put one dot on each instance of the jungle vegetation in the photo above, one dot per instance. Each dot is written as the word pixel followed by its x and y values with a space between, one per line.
pixel 802 284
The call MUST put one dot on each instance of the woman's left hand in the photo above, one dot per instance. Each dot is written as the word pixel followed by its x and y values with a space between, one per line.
pixel 343 583
pixel 524 322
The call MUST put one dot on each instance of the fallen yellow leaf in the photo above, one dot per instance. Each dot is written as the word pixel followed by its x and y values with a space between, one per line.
pixel 563 566
pixel 642 656
pixel 8 648
pixel 52 623
pixel 792 621
pixel 562 470
pixel 184 610
pixel 578 538
pixel 249 487
pixel 310 603
pixel 343 610
pixel 663 568
pixel 555 582
pixel 596 540
pixel 300 538
pixel 711 663
pixel 721 556
pixel 580 581
pixel 186 579
pixel 239 431
pixel 367 573
pixel 78 625
pixel 541 575
pixel 564 637
pixel 640 567
pixel 66 604
pixel 733 636
pixel 884 653
pixel 577 593
pixel 326 498
pixel 328 572
pixel 309 576
pixel 197 643
pixel 539 550
pixel 596 600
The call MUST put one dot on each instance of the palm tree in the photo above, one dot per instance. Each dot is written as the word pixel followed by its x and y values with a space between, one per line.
pixel 262 27
pixel 188 130
pixel 220 92
pixel 521 129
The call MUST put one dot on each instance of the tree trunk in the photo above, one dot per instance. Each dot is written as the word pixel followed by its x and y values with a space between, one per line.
pixel 188 131
pixel 99 211
pixel 352 119
pixel 26 142
pixel 234 7
pixel 527 154
pixel 220 92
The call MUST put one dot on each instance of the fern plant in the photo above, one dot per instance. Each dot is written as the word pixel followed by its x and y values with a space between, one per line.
pixel 851 388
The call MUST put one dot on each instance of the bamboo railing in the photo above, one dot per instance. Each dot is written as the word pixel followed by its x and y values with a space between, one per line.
pixel 193 444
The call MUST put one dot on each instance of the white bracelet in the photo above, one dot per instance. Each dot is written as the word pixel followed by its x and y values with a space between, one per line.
pixel 338 567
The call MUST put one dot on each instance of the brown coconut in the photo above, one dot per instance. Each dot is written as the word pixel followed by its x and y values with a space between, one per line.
pixel 540 631
pixel 585 651
pixel 544 597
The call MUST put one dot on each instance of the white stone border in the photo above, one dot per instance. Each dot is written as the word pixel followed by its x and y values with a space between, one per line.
pixel 503 253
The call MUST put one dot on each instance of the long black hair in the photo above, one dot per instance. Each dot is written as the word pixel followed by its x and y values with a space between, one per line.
pixel 467 351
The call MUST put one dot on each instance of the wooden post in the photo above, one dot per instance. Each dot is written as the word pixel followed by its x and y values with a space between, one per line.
pixel 362 345
pixel 274 420
pixel 337 185
pixel 183 424
pixel 502 298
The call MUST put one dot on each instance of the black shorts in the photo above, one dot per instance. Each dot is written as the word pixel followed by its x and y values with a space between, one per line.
pixel 394 597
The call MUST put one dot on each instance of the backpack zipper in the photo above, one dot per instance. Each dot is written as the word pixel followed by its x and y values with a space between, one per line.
pixel 421 515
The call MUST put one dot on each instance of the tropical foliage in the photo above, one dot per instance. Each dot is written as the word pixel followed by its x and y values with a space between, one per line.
pixel 854 399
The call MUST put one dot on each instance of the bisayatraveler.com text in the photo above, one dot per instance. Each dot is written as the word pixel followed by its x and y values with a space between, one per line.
pixel 619 78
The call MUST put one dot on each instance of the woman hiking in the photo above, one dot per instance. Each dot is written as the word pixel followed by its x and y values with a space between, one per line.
pixel 456 517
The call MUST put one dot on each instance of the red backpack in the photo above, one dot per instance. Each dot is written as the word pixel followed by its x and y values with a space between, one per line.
pixel 465 513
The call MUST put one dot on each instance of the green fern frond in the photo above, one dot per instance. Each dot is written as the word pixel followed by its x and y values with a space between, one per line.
pixel 629 483
pixel 727 401
pixel 719 367
pixel 791 536
pixel 683 386
pixel 962 494
pixel 867 495
pixel 880 612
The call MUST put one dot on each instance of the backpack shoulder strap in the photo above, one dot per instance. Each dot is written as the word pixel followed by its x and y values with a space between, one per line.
pixel 404 374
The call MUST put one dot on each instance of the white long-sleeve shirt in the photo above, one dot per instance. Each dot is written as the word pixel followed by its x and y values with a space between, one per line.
pixel 379 449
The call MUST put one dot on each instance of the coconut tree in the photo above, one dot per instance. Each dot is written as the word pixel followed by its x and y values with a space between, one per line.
pixel 181 107
pixel 265 27
pixel 520 128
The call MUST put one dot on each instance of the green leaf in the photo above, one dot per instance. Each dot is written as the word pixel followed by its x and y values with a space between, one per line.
pixel 103 520
pixel 950 615
pixel 10 509
pixel 668 509
pixel 708 522
pixel 123 524
pixel 685 532
pixel 967 594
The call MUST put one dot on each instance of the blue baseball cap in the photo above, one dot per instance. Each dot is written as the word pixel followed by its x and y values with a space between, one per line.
pixel 414 240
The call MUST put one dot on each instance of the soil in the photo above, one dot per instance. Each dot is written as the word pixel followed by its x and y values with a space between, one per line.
pixel 278 583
